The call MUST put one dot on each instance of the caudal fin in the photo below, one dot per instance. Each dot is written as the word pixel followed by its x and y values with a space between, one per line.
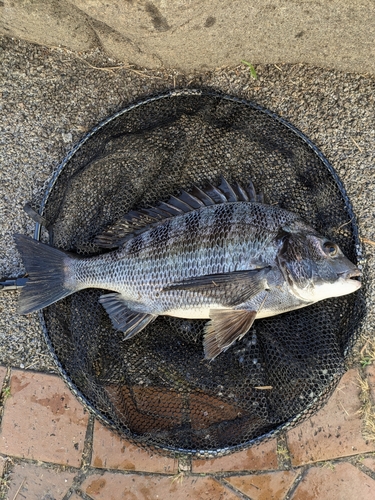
pixel 46 282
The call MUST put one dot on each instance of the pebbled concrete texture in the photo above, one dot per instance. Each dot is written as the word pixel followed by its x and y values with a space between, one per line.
pixel 192 35
pixel 51 98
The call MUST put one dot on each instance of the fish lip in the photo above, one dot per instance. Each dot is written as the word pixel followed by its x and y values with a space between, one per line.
pixel 350 274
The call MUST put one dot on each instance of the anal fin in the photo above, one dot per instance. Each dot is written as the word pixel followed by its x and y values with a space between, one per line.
pixel 224 328
pixel 124 318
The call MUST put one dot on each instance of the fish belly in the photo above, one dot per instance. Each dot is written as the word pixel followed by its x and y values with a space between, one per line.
pixel 193 313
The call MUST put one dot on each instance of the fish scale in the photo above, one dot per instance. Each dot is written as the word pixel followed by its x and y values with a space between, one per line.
pixel 214 254
pixel 181 255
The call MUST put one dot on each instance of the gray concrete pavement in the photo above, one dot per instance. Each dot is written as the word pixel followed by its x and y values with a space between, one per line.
pixel 193 35
pixel 51 97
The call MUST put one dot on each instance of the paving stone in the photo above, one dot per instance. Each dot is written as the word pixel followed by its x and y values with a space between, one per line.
pixel 343 482
pixel 32 482
pixel 110 451
pixel 42 420
pixel 112 486
pixel 369 462
pixel 271 486
pixel 261 457
pixel 335 431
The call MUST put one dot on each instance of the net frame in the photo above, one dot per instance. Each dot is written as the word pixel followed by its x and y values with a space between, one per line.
pixel 316 402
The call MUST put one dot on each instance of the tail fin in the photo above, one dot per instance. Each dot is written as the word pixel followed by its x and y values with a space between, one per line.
pixel 45 266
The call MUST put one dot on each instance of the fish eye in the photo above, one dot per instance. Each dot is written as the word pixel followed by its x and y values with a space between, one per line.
pixel 330 248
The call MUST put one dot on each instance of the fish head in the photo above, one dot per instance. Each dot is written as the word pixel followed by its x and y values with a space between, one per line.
pixel 315 267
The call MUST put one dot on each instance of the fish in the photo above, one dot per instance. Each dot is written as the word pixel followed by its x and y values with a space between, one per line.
pixel 218 253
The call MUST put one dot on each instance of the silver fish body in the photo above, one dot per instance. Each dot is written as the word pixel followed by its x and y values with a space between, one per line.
pixel 219 255
pixel 215 240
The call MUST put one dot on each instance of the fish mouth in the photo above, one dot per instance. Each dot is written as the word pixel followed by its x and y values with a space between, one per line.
pixel 352 274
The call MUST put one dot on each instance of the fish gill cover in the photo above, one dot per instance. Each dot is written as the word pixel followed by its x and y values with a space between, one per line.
pixel 156 388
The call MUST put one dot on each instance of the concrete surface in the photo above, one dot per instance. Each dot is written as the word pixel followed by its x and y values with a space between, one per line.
pixel 51 97
pixel 196 35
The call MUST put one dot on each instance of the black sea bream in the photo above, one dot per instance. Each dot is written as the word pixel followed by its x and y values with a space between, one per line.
pixel 219 254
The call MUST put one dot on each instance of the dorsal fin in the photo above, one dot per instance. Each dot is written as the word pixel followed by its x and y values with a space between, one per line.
pixel 193 201
pixel 227 190
pixel 216 194
pixel 176 202
pixel 241 193
pixel 203 196
pixel 136 222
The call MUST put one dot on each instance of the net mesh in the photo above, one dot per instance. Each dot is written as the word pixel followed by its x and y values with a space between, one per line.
pixel 156 389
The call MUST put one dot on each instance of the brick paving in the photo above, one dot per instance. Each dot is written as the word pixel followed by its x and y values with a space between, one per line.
pixel 261 457
pixel 273 485
pixel 42 420
pixel 111 486
pixel 341 482
pixel 50 448
pixel 34 482
pixel 369 462
pixel 333 432
pixel 112 452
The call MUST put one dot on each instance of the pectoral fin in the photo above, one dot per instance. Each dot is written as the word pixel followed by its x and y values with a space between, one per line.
pixel 123 318
pixel 224 328
pixel 236 287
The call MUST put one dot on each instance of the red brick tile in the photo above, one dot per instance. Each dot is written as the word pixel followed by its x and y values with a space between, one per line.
pixel 370 373
pixel 112 486
pixel 110 451
pixel 33 482
pixel 271 486
pixel 369 462
pixel 335 431
pixel 344 482
pixel 261 457
pixel 42 420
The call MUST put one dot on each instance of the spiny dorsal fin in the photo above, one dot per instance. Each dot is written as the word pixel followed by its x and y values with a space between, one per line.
pixel 227 190
pixel 193 201
pixel 201 195
pixel 216 194
pixel 138 221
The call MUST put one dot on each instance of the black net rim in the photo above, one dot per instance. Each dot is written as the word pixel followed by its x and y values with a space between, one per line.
pixel 321 397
